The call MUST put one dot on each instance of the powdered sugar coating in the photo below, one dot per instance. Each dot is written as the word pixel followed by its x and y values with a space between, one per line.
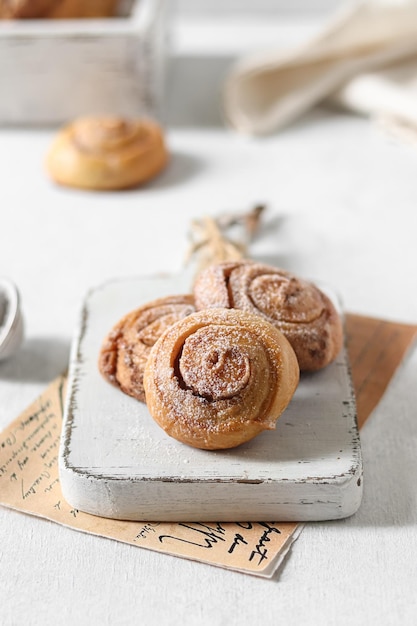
pixel 296 307
pixel 219 377
pixel 212 365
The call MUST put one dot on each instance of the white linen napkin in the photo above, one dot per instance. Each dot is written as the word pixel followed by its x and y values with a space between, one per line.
pixel 365 59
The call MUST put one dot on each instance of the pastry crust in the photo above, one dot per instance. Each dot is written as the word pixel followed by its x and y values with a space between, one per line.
pixel 106 153
pixel 64 9
pixel 219 377
pixel 32 9
pixel 300 310
pixel 126 348
pixel 24 9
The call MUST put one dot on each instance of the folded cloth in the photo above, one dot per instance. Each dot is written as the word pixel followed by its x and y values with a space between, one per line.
pixel 390 95
pixel 365 59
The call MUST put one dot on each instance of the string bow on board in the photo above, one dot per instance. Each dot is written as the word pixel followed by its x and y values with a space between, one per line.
pixel 211 238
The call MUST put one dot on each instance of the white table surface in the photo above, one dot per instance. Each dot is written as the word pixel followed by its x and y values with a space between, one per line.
pixel 342 201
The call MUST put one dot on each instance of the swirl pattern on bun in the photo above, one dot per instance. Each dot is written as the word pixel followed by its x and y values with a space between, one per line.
pixel 126 348
pixel 106 153
pixel 219 377
pixel 299 309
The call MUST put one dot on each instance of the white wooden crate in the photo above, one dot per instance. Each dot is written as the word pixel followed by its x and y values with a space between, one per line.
pixel 54 70
pixel 115 461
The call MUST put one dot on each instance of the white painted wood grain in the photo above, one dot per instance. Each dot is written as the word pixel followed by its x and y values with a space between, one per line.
pixel 115 461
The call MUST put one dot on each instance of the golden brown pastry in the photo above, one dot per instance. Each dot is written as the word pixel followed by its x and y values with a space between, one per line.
pixel 24 9
pixel 106 153
pixel 64 9
pixel 296 307
pixel 33 9
pixel 219 377
pixel 126 348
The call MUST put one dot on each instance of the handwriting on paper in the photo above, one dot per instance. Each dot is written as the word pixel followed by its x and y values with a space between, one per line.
pixel 29 481
pixel 251 544
pixel 37 434
pixel 205 536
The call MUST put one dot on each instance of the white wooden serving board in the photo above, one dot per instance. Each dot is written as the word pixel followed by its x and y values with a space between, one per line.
pixel 116 462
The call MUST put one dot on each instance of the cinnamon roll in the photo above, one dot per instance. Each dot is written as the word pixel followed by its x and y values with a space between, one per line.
pixel 66 9
pixel 24 9
pixel 32 9
pixel 299 309
pixel 126 348
pixel 107 153
pixel 219 377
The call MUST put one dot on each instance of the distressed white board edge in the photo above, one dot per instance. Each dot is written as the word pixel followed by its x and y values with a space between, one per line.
pixel 228 486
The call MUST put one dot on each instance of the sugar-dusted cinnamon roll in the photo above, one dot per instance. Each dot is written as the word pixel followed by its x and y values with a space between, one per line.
pixel 126 348
pixel 219 377
pixel 296 307
pixel 107 153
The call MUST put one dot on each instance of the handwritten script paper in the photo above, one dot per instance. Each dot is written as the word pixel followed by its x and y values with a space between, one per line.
pixel 29 478
pixel 29 482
